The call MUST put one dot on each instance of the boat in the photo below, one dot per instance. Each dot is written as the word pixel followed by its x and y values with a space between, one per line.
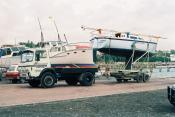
pixel 75 55
pixel 78 53
pixel 10 55
pixel 122 43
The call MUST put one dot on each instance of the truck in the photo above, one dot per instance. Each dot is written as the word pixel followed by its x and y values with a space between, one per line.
pixel 45 69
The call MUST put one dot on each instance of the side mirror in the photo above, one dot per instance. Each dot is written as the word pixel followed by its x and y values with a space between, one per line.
pixel 37 57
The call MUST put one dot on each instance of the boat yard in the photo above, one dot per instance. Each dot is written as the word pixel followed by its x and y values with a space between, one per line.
pixel 92 58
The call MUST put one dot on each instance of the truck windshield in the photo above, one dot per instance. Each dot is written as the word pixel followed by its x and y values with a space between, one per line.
pixel 27 57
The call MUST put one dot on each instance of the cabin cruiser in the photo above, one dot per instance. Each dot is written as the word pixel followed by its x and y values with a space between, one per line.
pixel 74 55
pixel 10 55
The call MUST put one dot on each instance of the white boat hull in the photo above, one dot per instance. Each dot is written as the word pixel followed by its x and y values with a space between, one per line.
pixel 123 44
pixel 8 61
pixel 74 57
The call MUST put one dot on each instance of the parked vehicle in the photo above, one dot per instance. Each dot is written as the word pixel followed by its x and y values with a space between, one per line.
pixel 13 75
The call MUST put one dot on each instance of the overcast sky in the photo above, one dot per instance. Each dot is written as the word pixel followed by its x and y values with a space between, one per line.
pixel 18 18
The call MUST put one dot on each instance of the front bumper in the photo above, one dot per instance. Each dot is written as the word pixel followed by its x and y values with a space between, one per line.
pixel 171 94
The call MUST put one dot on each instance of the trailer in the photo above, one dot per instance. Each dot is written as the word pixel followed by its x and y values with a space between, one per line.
pixel 137 75
pixel 127 71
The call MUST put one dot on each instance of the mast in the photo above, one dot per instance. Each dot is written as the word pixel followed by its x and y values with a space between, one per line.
pixel 59 39
pixel 42 36
pixel 65 38
pixel 58 35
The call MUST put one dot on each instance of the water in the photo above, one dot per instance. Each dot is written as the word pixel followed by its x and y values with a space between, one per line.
pixel 164 73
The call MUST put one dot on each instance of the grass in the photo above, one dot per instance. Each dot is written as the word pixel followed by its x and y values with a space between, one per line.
pixel 144 104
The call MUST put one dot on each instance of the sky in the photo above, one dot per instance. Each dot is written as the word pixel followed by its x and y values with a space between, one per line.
pixel 18 19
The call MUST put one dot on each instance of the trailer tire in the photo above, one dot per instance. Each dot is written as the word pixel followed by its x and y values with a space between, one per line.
pixel 86 79
pixel 146 78
pixel 48 80
pixel 72 82
pixel 139 78
pixel 34 83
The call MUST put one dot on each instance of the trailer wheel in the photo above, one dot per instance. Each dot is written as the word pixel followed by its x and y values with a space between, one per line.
pixel 47 80
pixel 86 79
pixel 139 79
pixel 72 81
pixel 146 78
pixel 34 83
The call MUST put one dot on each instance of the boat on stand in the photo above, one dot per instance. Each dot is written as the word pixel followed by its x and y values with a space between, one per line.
pixel 125 44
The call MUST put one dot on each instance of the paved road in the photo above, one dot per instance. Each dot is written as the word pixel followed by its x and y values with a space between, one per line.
pixel 17 94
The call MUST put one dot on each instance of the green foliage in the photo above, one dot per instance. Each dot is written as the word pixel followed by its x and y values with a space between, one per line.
pixel 109 58
pixel 172 51
pixel 29 44
pixel 159 56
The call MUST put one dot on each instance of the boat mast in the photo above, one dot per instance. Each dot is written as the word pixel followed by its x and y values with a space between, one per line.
pixel 65 38
pixel 42 36
pixel 58 35
pixel 59 39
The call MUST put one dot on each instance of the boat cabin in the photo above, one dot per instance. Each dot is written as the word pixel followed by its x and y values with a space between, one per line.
pixel 127 35
pixel 11 51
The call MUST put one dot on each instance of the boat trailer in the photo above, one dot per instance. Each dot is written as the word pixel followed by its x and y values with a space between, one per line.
pixel 128 72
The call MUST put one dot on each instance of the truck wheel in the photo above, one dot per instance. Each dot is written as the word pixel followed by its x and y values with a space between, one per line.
pixel 146 78
pixel 86 79
pixel 34 83
pixel 48 80
pixel 72 81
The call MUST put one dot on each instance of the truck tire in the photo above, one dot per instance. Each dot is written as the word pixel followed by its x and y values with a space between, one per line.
pixel 34 83
pixel 48 80
pixel 86 79
pixel 72 82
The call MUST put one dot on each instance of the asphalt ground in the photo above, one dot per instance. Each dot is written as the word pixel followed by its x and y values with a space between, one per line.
pixel 19 94
pixel 142 104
